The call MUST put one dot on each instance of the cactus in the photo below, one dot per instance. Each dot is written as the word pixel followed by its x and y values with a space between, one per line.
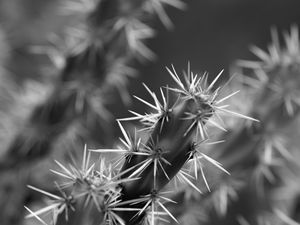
pixel 130 189
pixel 170 149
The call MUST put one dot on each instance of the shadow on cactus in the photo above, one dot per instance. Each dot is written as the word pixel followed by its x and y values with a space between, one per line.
pixel 130 189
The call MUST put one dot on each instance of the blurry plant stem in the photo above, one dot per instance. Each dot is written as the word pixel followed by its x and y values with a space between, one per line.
pixel 166 137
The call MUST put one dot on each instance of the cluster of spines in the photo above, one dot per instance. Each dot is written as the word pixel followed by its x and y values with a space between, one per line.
pixel 175 134
pixel 95 184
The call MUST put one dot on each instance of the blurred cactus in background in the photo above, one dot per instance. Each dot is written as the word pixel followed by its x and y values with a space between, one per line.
pixel 203 151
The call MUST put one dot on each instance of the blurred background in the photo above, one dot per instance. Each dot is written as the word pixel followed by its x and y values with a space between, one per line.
pixel 210 34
